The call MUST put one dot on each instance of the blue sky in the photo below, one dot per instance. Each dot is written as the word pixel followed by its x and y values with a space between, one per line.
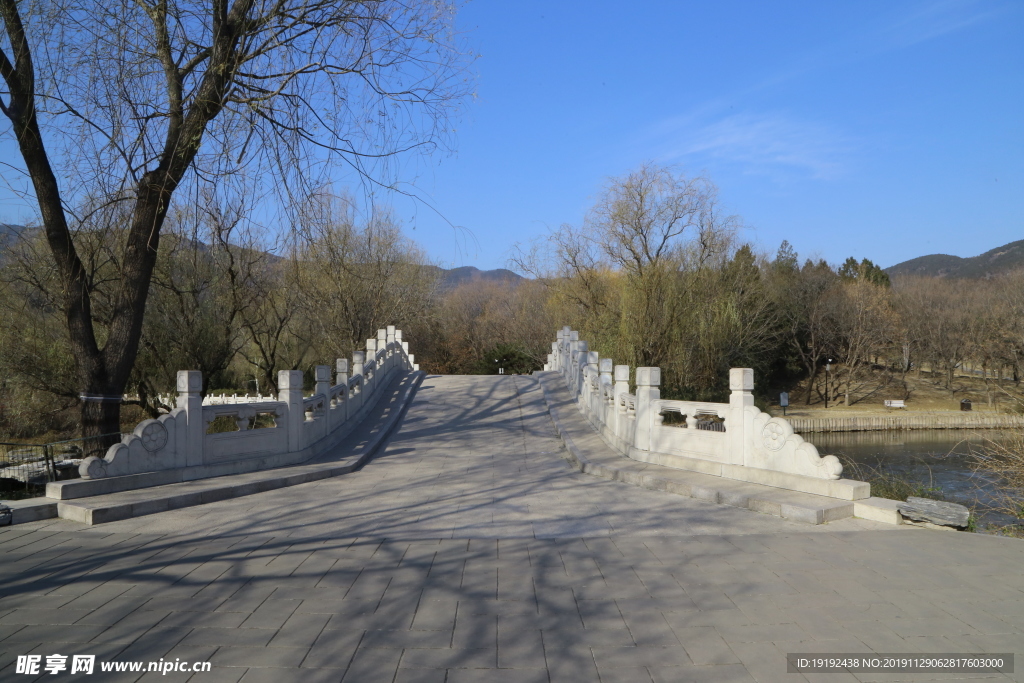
pixel 885 130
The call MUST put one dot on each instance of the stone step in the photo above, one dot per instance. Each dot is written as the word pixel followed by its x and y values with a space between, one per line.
pixel 592 455
pixel 365 441
pixel 127 504
pixel 31 509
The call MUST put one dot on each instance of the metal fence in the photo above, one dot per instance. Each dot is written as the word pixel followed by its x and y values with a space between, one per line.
pixel 26 468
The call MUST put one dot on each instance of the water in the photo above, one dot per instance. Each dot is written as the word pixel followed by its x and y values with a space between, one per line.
pixel 933 458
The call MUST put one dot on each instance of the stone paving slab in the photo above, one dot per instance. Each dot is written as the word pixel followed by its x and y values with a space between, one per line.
pixel 456 555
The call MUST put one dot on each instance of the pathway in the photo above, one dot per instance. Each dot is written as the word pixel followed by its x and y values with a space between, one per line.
pixel 471 551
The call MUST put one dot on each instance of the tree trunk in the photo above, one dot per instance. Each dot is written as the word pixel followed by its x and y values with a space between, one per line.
pixel 97 420
pixel 810 383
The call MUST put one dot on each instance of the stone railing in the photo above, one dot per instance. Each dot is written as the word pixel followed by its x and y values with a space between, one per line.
pixel 261 432
pixel 734 440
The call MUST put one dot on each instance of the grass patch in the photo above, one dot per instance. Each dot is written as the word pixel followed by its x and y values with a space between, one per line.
pixel 888 484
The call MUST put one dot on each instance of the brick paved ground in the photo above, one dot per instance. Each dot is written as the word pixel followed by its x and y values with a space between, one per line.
pixel 471 551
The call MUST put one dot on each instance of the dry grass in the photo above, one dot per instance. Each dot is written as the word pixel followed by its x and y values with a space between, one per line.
pixel 888 484
pixel 923 393
pixel 1003 459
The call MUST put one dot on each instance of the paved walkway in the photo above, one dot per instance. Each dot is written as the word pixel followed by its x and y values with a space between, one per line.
pixel 471 551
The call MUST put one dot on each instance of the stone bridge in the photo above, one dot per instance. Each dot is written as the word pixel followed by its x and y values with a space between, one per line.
pixel 470 547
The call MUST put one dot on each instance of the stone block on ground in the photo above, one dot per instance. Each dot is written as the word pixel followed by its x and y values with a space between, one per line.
pixel 935 512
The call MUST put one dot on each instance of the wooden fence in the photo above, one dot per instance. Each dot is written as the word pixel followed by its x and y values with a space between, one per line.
pixel 897 422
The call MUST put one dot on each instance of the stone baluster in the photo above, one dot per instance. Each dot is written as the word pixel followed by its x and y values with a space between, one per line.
pixel 371 355
pixel 322 373
pixel 647 392
pixel 580 364
pixel 341 370
pixel 289 383
pixel 190 398
pixel 605 380
pixel 739 422
pixel 570 358
pixel 591 375
pixel 405 350
pixel 621 374
pixel 358 358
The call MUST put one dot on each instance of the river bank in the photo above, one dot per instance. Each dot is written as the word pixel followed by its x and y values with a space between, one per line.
pixel 897 421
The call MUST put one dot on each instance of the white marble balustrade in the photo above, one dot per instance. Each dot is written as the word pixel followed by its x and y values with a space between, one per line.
pixel 268 431
pixel 735 439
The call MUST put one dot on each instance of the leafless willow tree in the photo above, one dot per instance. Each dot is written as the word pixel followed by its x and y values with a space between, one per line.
pixel 205 286
pixel 622 268
pixel 356 274
pixel 122 102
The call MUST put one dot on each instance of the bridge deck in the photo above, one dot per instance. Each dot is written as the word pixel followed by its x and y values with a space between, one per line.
pixel 470 550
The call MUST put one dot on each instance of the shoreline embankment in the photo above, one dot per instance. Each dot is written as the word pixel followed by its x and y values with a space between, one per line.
pixel 877 423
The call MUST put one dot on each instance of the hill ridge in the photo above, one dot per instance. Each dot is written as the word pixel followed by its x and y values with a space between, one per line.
pixel 993 262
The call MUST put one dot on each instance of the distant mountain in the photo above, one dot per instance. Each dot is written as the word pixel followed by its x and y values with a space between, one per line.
pixel 456 277
pixel 450 278
pixel 10 232
pixel 993 262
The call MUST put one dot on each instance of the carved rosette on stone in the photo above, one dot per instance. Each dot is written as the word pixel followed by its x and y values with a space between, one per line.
pixel 773 436
pixel 153 435
pixel 777 447
pixel 151 447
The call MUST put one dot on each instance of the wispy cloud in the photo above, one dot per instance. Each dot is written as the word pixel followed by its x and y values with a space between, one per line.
pixel 772 144
pixel 783 146
pixel 937 18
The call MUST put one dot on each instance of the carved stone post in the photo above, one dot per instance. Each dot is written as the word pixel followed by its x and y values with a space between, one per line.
pixel 368 374
pixel 290 384
pixel 647 392
pixel 605 386
pixel 580 364
pixel 406 363
pixel 339 410
pixel 590 379
pixel 322 374
pixel 574 338
pixel 323 380
pixel 739 424
pixel 190 398
pixel 358 358
pixel 621 382
pixel 570 362
pixel 382 344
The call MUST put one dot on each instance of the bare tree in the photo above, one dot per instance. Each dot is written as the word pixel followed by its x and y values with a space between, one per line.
pixel 117 101
pixel 205 283
pixel 642 223
pixel 939 316
pixel 356 275
pixel 864 322
pixel 803 297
